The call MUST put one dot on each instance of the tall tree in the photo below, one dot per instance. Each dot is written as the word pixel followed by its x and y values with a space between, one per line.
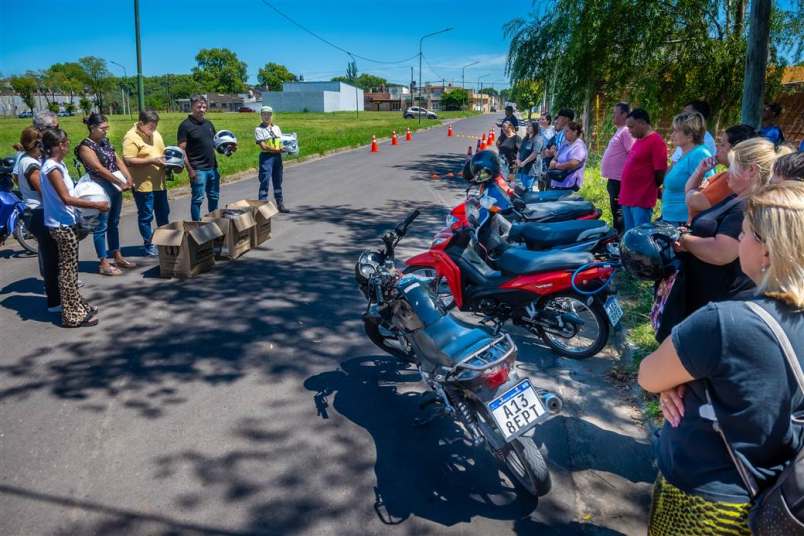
pixel 526 94
pixel 455 99
pixel 25 86
pixel 98 78
pixel 67 77
pixel 273 75
pixel 351 72
pixel 365 81
pixel 219 70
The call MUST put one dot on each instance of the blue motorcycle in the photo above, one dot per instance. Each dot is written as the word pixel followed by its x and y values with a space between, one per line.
pixel 14 215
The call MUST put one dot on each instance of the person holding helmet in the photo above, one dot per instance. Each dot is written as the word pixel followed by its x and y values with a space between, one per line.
pixel 60 203
pixel 268 137
pixel 485 167
pixel 196 138
pixel 143 152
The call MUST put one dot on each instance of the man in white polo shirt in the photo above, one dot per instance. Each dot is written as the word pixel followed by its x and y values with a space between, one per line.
pixel 269 138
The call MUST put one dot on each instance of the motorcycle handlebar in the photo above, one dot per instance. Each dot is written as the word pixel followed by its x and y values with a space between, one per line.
pixel 402 228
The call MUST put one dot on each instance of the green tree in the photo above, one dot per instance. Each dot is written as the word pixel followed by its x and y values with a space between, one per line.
pixel 86 105
pixel 526 94
pixel 69 108
pixel 98 78
pixel 351 72
pixel 365 81
pixel 24 86
pixel 455 99
pixel 490 91
pixel 53 106
pixel 272 75
pixel 219 70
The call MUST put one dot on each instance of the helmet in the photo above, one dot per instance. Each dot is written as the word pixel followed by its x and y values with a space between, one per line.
pixel 291 143
pixel 484 166
pixel 174 159
pixel 225 142
pixel 647 251
pixel 89 190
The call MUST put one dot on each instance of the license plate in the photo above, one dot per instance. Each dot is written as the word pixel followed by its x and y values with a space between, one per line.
pixel 613 310
pixel 517 409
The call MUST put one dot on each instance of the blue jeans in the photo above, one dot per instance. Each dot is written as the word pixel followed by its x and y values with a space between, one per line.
pixel 634 216
pixel 526 181
pixel 149 203
pixel 270 171
pixel 207 181
pixel 108 223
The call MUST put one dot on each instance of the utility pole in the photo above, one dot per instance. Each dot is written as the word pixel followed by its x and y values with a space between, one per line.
pixel 756 62
pixel 124 92
pixel 420 64
pixel 463 73
pixel 140 85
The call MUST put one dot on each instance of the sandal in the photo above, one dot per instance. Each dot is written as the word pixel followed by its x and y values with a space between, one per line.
pixel 89 321
pixel 123 263
pixel 109 269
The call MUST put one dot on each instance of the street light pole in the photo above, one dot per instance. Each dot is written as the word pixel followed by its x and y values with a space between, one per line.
pixel 420 65
pixel 140 85
pixel 124 93
pixel 480 91
pixel 463 73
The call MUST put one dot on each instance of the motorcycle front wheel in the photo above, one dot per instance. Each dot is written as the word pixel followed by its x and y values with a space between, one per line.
pixel 24 236
pixel 585 329
pixel 526 464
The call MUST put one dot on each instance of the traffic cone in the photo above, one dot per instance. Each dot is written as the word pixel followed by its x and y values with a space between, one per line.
pixel 394 139
pixel 449 132
pixel 374 148
pixel 483 139
pixel 492 136
pixel 408 135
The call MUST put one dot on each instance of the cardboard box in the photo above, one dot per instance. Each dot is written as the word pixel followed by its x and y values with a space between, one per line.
pixel 237 225
pixel 186 247
pixel 262 211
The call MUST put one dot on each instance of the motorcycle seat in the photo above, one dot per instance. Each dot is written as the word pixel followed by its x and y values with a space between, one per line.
pixel 518 261
pixel 539 236
pixel 558 210
pixel 446 342
pixel 548 195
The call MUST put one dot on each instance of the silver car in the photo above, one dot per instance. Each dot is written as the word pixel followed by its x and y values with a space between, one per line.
pixel 414 111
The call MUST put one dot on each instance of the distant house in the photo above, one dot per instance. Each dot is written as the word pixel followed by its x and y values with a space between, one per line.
pixel 315 97
pixel 217 102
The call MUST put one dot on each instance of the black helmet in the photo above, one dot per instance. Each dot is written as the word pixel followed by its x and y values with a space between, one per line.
pixel 484 166
pixel 647 251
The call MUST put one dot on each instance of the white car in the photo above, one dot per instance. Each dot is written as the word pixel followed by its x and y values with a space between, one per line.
pixel 414 111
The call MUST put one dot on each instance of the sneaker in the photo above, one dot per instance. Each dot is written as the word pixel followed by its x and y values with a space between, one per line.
pixel 151 250
pixel 55 309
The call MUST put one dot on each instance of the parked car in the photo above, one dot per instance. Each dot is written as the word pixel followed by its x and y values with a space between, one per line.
pixel 23 115
pixel 65 113
pixel 246 110
pixel 414 111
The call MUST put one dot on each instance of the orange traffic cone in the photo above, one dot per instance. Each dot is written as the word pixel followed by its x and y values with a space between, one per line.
pixel 483 139
pixel 408 135
pixel 374 148
pixel 449 132
pixel 492 137
pixel 394 139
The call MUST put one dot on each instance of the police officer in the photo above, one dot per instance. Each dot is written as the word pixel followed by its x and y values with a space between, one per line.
pixel 269 138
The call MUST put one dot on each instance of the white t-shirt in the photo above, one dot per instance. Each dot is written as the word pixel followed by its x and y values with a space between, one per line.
pixel 709 141
pixel 26 165
pixel 57 214
pixel 266 132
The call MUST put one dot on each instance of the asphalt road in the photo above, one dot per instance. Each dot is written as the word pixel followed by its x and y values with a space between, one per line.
pixel 248 400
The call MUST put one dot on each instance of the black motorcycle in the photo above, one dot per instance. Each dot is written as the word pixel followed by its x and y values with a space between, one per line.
pixel 471 373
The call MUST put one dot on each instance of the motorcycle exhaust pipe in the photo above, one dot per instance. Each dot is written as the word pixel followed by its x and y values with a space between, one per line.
pixel 552 402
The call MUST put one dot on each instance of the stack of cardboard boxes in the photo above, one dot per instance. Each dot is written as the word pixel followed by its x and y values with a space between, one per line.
pixel 188 248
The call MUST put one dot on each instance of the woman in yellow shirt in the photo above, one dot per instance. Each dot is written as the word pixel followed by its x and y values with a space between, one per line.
pixel 143 152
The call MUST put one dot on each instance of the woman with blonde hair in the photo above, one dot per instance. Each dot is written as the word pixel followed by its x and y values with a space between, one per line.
pixel 710 263
pixel 688 135
pixel 724 363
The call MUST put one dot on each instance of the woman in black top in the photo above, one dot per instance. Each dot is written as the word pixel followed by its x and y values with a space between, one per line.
pixel 508 145
pixel 528 160
pixel 727 350
pixel 710 264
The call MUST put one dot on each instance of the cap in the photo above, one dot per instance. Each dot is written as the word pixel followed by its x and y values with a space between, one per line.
pixel 266 110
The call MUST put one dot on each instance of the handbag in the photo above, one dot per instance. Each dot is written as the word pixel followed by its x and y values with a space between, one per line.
pixel 779 510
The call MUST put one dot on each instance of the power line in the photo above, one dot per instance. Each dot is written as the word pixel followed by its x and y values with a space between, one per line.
pixel 330 43
pixel 431 68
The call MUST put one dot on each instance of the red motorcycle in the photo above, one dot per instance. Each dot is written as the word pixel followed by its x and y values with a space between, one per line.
pixel 564 297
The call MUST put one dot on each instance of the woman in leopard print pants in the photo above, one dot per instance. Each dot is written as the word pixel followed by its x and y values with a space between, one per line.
pixel 60 202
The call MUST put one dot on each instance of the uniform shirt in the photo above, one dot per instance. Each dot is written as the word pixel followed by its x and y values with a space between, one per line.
pixel 26 165
pixel 709 141
pixel 729 348
pixel 270 134
pixel 611 166
pixel 57 214
pixel 200 148
pixel 638 183
pixel 674 203
pixel 715 190
pixel 148 178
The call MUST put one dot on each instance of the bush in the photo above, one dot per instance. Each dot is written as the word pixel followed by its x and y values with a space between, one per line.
pixel 53 107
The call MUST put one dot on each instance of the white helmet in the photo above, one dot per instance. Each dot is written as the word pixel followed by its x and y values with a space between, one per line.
pixel 224 141
pixel 89 190
pixel 291 143
pixel 174 159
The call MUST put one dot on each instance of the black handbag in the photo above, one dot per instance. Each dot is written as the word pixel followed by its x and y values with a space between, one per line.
pixel 779 510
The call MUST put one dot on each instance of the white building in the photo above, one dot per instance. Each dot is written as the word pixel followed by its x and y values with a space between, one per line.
pixel 314 97
pixel 12 104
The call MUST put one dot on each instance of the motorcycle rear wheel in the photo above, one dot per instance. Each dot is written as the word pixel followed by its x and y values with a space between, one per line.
pixel 527 466
pixel 24 236
pixel 592 336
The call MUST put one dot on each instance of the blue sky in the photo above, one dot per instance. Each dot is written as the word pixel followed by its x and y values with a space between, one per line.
pixel 174 30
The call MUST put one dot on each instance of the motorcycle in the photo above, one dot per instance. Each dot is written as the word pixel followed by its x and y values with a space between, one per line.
pixel 563 297
pixel 470 373
pixel 14 215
